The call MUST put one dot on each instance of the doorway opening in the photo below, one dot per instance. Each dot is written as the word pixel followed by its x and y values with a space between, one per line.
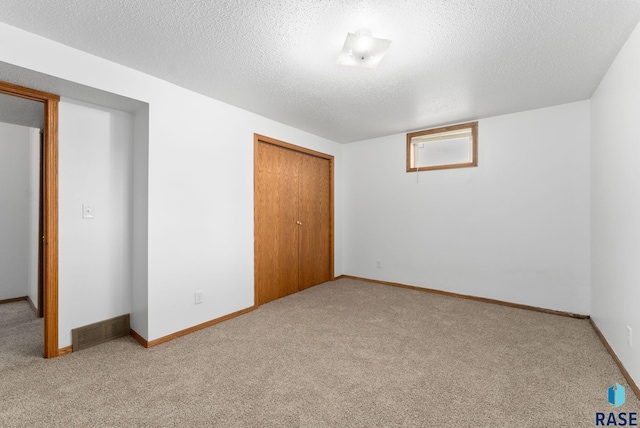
pixel 49 208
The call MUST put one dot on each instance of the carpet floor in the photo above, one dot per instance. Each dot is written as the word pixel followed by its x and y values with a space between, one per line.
pixel 21 336
pixel 346 353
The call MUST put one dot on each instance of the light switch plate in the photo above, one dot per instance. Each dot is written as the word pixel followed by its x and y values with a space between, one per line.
pixel 87 211
pixel 198 296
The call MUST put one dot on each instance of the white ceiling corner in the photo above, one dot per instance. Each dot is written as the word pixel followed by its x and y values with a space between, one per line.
pixel 450 60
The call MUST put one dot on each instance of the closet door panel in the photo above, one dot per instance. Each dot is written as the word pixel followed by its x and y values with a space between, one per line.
pixel 315 217
pixel 276 216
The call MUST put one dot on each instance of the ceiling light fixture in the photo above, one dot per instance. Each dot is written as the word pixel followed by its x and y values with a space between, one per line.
pixel 362 50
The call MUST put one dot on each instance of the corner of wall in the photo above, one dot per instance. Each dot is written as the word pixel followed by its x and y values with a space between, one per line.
pixel 615 176
pixel 140 273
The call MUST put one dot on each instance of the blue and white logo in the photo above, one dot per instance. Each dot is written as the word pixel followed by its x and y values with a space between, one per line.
pixel 616 395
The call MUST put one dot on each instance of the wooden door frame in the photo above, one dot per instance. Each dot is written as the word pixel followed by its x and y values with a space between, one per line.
pixel 257 138
pixel 50 210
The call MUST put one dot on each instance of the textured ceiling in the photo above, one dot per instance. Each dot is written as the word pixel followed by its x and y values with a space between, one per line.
pixel 450 60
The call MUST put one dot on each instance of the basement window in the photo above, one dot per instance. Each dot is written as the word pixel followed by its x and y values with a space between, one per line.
pixel 443 148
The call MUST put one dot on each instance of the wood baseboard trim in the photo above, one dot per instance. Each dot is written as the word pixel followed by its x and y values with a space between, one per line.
pixel 465 296
pixel 64 351
pixel 624 371
pixel 156 342
pixel 33 306
pixel 141 340
pixel 15 299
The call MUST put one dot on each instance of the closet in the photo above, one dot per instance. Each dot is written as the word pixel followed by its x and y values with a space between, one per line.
pixel 293 218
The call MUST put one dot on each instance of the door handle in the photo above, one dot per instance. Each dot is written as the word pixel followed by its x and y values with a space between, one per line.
pixel 299 223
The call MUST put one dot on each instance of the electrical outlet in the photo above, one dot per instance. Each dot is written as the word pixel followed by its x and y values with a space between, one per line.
pixel 198 297
pixel 629 336
pixel 88 211
pixel 379 264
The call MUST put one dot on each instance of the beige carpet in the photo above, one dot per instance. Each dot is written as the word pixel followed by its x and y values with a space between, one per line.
pixel 21 336
pixel 347 353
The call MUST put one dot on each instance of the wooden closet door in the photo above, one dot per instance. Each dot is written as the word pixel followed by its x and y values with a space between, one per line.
pixel 316 238
pixel 276 180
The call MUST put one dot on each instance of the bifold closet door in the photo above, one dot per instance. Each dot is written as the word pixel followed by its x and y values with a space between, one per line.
pixel 315 216
pixel 276 215
pixel 293 220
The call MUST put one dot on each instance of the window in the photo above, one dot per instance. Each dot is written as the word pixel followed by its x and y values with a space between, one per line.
pixel 442 148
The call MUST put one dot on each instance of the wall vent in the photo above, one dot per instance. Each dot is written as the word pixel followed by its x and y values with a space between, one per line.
pixel 103 331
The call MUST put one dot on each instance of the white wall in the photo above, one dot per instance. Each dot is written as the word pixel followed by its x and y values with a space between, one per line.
pixel 200 188
pixel 95 255
pixel 15 195
pixel 201 206
pixel 615 204
pixel 515 228
pixel 34 214
pixel 140 237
